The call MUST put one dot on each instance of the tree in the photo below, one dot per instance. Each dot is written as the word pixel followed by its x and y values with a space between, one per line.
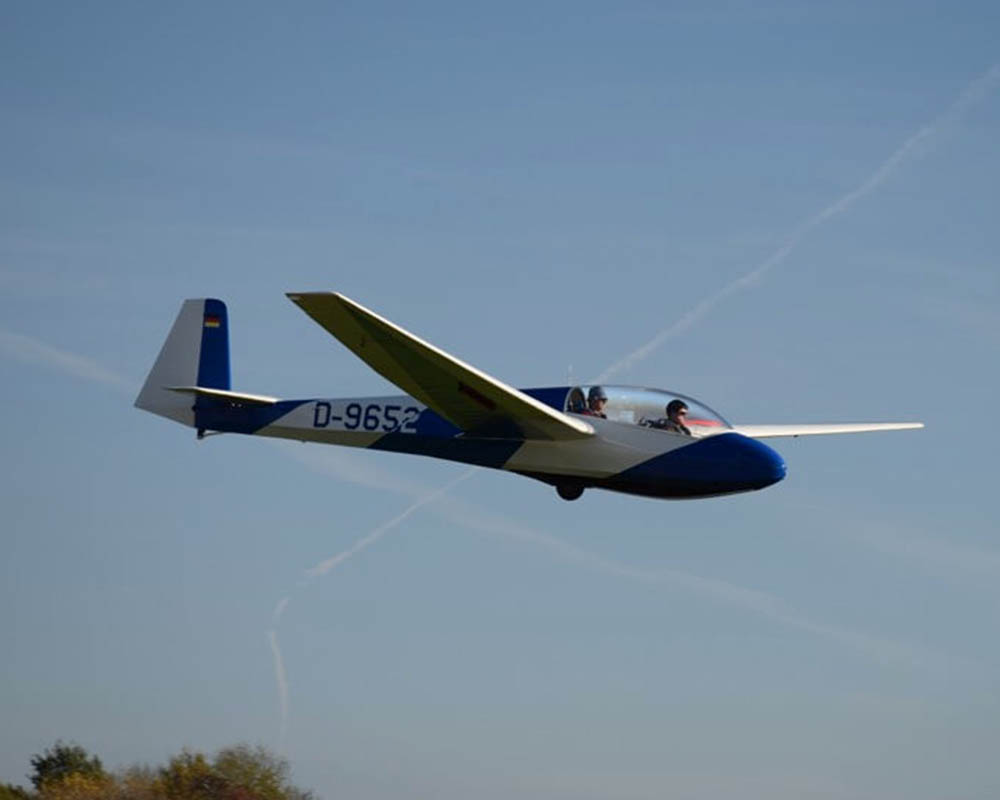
pixel 68 772
pixel 77 786
pixel 137 783
pixel 256 771
pixel 62 760
pixel 189 776
pixel 236 773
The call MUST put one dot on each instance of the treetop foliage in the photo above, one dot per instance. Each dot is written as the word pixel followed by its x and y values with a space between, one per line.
pixel 61 761
pixel 242 772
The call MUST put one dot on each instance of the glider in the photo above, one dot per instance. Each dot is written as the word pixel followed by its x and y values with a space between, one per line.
pixel 639 441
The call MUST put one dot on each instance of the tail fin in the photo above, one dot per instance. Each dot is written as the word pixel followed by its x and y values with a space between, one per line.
pixel 196 353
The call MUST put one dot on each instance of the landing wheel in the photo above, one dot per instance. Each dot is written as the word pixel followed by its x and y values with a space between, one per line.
pixel 569 491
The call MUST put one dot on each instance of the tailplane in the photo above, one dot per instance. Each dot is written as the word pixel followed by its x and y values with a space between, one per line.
pixel 195 354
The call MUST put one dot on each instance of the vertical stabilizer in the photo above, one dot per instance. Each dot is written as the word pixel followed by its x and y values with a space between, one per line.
pixel 196 353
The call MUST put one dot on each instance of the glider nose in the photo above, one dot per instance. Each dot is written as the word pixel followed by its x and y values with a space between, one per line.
pixel 722 464
pixel 765 465
pixel 732 462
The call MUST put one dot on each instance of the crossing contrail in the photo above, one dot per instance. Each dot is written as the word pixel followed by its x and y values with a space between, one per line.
pixel 369 539
pixel 325 566
pixel 974 93
pixel 752 601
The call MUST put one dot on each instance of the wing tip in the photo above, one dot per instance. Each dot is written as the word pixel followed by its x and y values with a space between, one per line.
pixel 303 299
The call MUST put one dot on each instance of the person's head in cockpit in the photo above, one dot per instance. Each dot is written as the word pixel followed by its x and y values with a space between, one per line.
pixel 596 401
pixel 676 417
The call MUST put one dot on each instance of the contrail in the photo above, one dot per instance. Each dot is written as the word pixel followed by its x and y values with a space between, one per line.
pixel 909 149
pixel 750 600
pixel 322 568
pixel 32 351
pixel 360 467
pixel 280 676
pixel 282 680
pixel 909 543
pixel 325 566
pixel 279 610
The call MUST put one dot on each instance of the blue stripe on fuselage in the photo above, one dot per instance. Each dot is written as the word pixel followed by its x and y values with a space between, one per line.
pixel 553 396
pixel 436 437
pixel 469 450
pixel 221 415
pixel 430 423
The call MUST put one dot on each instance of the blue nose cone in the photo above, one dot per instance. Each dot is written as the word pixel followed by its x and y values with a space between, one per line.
pixel 729 462
pixel 763 465
pixel 722 464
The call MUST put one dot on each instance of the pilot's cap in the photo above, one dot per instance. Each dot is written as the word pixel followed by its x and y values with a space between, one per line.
pixel 596 393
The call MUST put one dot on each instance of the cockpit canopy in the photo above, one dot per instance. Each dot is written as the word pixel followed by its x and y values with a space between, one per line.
pixel 648 407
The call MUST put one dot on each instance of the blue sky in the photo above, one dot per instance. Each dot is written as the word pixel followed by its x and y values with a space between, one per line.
pixel 540 189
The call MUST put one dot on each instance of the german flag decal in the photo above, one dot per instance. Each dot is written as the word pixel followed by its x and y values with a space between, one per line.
pixel 212 321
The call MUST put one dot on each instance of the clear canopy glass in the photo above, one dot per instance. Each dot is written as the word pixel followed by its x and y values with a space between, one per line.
pixel 647 407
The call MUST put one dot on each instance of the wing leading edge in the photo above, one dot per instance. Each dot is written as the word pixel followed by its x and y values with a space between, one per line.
pixel 774 431
pixel 477 403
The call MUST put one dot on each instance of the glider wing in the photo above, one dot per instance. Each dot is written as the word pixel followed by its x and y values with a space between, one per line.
pixel 477 403
pixel 774 431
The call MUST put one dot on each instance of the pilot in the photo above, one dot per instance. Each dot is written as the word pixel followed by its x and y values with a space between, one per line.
pixel 676 412
pixel 596 401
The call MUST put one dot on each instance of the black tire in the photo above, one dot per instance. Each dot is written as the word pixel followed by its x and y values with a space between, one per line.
pixel 569 491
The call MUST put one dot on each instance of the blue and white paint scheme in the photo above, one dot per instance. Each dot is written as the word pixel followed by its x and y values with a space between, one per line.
pixel 457 412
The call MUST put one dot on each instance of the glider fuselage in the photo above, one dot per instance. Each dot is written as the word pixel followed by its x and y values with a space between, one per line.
pixel 619 456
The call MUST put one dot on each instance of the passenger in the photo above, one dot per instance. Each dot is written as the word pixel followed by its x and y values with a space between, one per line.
pixel 676 412
pixel 576 403
pixel 673 422
pixel 596 401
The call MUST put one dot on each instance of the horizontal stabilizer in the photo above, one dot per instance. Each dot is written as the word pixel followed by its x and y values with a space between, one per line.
pixel 223 394
pixel 477 403
pixel 774 431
